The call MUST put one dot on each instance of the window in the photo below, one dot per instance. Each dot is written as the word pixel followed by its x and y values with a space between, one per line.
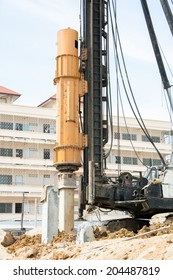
pixel 157 162
pixel 33 175
pixel 145 138
pixel 46 179
pixel 33 152
pixel 5 207
pixel 167 139
pixel 147 161
pixel 127 136
pixel 18 207
pixel 116 135
pixel 25 127
pixel 6 125
pixel 126 160
pixel 5 179
pixel 6 152
pixel 33 179
pixel 155 139
pixel 19 180
pixel 134 161
pixel 39 208
pixel 151 162
pixel 52 129
pixel 117 159
pixel 19 126
pixel 129 160
pixel 19 153
pixel 46 154
pixel 46 128
pixel 33 126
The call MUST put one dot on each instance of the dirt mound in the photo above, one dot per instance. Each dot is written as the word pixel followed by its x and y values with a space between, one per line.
pixel 103 233
pixel 158 229
pixel 144 232
pixel 154 242
pixel 3 253
pixel 24 241
pixel 8 239
pixel 64 237
pixel 29 246
pixel 66 254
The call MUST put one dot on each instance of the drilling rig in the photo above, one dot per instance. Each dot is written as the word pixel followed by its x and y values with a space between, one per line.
pixel 84 84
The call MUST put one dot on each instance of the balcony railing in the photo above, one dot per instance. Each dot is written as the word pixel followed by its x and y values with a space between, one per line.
pixel 17 191
pixel 26 136
pixel 141 146
pixel 27 162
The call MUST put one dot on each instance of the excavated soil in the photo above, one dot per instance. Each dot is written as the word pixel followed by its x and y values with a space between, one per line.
pixel 149 243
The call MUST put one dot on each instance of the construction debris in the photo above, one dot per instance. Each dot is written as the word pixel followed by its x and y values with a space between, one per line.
pixel 149 232
pixel 24 241
pixel 153 242
pixel 8 239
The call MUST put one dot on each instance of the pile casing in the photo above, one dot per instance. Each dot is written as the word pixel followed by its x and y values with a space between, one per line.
pixel 67 151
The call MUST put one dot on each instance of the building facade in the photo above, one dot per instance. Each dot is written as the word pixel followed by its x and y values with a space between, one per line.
pixel 27 139
pixel 131 149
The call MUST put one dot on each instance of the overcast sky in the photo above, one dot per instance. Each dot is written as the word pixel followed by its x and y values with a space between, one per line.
pixel 28 31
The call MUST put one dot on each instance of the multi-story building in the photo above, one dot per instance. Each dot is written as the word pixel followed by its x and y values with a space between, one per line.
pixel 27 139
pixel 131 149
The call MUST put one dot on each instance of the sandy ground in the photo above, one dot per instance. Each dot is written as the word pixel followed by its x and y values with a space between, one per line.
pixel 121 245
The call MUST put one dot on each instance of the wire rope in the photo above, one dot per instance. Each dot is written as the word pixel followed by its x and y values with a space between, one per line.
pixel 143 127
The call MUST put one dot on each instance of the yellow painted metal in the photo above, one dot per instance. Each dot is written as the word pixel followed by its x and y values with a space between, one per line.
pixel 69 141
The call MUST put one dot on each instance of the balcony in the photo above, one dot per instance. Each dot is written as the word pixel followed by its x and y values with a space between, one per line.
pixel 18 190
pixel 27 136
pixel 112 169
pixel 141 146
pixel 26 163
